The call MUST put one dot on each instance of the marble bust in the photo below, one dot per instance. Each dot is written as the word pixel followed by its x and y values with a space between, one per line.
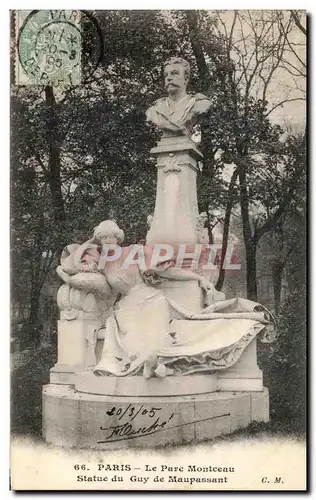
pixel 178 113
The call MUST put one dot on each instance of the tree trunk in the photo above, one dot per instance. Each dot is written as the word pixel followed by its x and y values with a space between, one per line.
pixel 249 240
pixel 277 272
pixel 221 276
pixel 192 20
pixel 228 211
pixel 31 334
pixel 54 157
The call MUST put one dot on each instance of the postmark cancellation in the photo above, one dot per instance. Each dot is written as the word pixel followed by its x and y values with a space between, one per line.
pixel 48 47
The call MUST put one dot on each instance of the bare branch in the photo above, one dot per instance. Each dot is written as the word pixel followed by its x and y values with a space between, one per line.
pixel 290 45
pixel 231 34
pixel 283 102
pixel 298 72
pixel 298 22
pixel 222 23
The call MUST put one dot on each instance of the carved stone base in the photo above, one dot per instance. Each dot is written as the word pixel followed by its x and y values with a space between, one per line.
pixel 245 375
pixel 63 374
pixel 235 380
pixel 76 349
pixel 172 385
pixel 140 386
pixel 73 419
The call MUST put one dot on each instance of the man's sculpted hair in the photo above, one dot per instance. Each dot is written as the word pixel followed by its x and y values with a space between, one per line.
pixel 179 60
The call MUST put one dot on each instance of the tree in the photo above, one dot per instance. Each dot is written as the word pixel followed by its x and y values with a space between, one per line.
pixel 253 50
pixel 81 155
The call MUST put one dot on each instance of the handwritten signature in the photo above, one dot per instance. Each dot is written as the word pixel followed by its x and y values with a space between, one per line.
pixel 125 431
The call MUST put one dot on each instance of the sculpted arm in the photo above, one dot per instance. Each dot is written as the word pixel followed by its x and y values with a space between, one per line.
pixel 185 275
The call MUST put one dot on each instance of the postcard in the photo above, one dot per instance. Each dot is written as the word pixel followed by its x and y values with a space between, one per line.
pixel 158 244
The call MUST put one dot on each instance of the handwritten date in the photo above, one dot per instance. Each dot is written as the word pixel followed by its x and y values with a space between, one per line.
pixel 131 412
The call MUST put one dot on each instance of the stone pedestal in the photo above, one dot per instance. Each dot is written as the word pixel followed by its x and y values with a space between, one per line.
pixel 138 385
pixel 75 419
pixel 76 349
pixel 122 412
pixel 176 209
pixel 245 375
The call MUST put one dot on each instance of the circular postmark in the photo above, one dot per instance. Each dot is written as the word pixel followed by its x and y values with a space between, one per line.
pixel 58 47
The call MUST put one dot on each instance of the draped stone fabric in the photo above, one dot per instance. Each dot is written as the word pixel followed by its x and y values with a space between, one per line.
pixel 211 340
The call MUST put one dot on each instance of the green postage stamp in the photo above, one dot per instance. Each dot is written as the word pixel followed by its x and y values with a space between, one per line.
pixel 48 48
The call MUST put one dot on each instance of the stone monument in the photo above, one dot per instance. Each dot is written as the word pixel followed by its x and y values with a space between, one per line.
pixel 153 357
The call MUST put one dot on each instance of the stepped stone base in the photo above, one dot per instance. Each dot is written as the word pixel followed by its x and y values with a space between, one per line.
pixel 170 386
pixel 75 419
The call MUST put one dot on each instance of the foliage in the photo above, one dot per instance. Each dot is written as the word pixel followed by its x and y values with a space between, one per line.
pixel 285 363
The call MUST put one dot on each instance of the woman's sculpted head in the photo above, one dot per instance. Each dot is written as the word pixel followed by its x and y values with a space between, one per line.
pixel 108 232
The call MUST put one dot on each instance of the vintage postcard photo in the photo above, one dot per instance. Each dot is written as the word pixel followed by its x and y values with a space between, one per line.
pixel 158 250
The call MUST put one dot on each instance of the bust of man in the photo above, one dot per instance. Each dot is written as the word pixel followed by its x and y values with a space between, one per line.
pixel 179 112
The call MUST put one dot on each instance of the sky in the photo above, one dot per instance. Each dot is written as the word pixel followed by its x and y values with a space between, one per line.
pixel 282 85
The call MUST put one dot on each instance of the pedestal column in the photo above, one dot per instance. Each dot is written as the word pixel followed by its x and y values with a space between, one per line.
pixel 176 209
